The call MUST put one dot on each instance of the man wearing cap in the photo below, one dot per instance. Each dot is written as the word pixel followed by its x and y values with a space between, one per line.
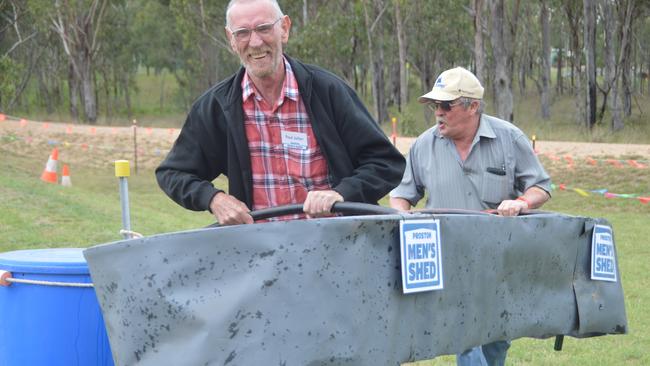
pixel 473 161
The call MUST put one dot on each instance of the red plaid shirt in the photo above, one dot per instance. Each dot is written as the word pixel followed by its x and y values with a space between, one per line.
pixel 286 160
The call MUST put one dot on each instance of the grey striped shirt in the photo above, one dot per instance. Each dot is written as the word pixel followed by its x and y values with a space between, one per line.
pixel 501 165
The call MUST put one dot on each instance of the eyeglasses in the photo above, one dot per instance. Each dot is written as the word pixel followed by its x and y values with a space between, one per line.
pixel 444 105
pixel 244 34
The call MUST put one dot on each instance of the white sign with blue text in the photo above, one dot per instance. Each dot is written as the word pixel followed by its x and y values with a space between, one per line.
pixel 420 255
pixel 603 258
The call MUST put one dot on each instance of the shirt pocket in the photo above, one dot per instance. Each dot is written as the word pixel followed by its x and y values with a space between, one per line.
pixel 494 188
pixel 308 166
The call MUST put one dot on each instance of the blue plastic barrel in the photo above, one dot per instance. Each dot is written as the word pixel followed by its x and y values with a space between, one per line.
pixel 50 325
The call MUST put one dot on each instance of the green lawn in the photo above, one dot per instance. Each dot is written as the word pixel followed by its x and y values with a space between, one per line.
pixel 39 215
pixel 34 214
pixel 630 220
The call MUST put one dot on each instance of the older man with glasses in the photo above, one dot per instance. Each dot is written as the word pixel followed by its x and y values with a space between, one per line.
pixel 283 132
pixel 473 161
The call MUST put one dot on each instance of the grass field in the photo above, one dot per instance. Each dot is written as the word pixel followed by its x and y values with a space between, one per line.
pixel 34 214
pixel 40 215
pixel 629 219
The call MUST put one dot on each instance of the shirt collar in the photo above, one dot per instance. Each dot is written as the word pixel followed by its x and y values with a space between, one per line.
pixel 289 86
pixel 485 129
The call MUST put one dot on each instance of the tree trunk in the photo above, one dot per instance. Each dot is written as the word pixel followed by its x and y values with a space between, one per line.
pixel 573 16
pixel 108 103
pixel 73 92
pixel 380 85
pixel 479 49
pixel 503 70
pixel 44 91
pixel 522 71
pixel 401 47
pixel 162 91
pixel 611 91
pixel 546 61
pixel 78 25
pixel 305 13
pixel 425 80
pixel 559 86
pixel 88 90
pixel 590 55
pixel 625 59
pixel 394 85
pixel 127 96
pixel 376 62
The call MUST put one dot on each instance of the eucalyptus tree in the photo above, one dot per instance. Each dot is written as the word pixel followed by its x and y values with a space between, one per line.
pixel 574 15
pixel 51 71
pixel 559 42
pixel 534 52
pixel 206 55
pixel 116 63
pixel 17 51
pixel 643 44
pixel 333 37
pixel 394 66
pixel 480 28
pixel 439 34
pixel 158 46
pixel 401 46
pixel 526 47
pixel 374 11
pixel 156 39
pixel 628 13
pixel 545 56
pixel 610 89
pixel 502 38
pixel 78 23
pixel 590 60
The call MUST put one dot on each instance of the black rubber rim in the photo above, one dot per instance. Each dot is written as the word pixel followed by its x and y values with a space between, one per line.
pixel 344 208
pixel 360 209
pixel 459 211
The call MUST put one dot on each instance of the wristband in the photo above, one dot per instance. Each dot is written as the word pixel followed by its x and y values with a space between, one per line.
pixel 522 198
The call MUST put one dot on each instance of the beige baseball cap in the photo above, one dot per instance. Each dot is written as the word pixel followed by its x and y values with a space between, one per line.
pixel 453 84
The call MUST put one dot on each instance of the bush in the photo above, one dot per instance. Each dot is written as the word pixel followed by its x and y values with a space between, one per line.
pixel 9 72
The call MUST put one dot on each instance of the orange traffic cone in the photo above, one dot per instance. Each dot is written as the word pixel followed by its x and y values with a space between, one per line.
pixel 49 174
pixel 65 176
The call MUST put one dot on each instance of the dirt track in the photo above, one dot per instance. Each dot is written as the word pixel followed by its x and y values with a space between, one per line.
pixel 575 149
pixel 92 146
pixel 100 145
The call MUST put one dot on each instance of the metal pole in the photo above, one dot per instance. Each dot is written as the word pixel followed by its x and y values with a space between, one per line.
pixel 135 146
pixel 534 140
pixel 122 171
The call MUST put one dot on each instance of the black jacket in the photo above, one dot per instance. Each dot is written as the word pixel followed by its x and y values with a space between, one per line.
pixel 363 165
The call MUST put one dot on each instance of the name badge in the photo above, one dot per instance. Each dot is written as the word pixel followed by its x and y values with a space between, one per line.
pixel 294 140
pixel 420 255
pixel 603 256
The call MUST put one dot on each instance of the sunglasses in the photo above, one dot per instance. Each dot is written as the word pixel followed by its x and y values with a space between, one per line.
pixel 444 105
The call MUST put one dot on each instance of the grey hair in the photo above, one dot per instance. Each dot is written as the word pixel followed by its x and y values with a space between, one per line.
pixel 233 2
pixel 467 101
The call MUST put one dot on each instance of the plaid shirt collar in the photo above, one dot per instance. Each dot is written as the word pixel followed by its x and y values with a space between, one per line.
pixel 289 86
